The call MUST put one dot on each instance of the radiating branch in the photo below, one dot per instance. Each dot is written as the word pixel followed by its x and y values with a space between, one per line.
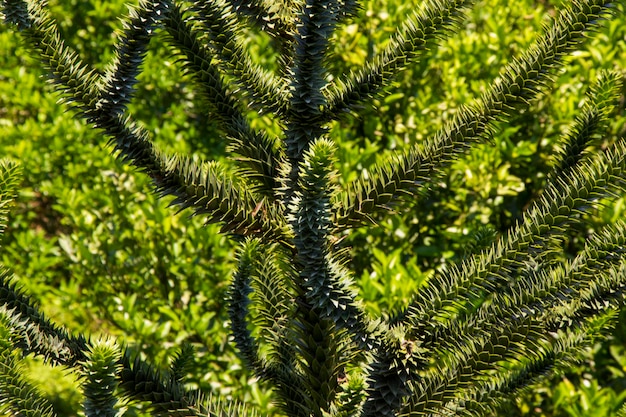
pixel 258 151
pixel 81 85
pixel 433 20
pixel 268 92
pixel 497 268
pixel 520 82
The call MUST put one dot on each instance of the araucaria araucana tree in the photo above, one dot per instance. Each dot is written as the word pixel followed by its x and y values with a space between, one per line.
pixel 477 333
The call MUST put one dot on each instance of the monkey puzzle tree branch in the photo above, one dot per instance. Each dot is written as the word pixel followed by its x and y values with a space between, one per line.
pixel 519 83
pixel 497 268
pixel 257 150
pixel 434 19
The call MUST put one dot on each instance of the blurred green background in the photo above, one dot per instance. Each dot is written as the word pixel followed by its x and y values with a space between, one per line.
pixel 104 255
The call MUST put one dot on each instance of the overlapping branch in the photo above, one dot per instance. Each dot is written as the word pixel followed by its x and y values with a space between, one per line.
pixel 256 272
pixel 258 151
pixel 494 270
pixel 16 392
pixel 317 20
pixel 446 353
pixel 434 19
pixel 102 102
pixel 274 17
pixel 268 92
pixel 521 81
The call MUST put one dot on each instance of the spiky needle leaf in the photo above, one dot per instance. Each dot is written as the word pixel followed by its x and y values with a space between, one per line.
pixel 430 22
pixel 17 395
pixel 521 81
pixel 100 371
pixel 10 176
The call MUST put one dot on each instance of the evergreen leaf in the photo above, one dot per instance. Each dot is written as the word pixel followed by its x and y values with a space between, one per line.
pixel 521 81
pixel 99 371
pixel 431 22
pixel 10 177
pixel 18 397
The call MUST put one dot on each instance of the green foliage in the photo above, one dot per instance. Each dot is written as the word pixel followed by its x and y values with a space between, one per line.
pixel 19 397
pixel 100 373
pixel 432 255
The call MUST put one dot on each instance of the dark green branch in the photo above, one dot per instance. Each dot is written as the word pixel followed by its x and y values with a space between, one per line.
pixel 273 17
pixel 325 282
pixel 393 369
pixel 521 81
pixel 268 92
pixel 431 22
pixel 191 184
pixel 18 396
pixel 538 367
pixel 555 286
pixel 474 363
pixel 258 151
pixel 10 177
pixel 141 382
pixel 317 338
pixel 238 306
pixel 494 270
pixel 34 332
pixel 304 125
pixel 100 379
pixel 587 128
pixel 278 365
pixel 120 78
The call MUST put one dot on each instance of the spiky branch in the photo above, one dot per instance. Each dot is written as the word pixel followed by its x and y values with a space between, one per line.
pixel 519 83
pixel 483 329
